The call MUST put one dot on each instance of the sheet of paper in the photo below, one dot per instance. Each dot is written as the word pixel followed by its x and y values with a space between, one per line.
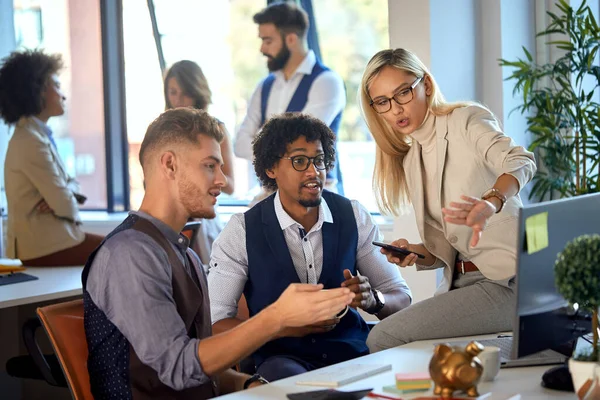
pixel 536 229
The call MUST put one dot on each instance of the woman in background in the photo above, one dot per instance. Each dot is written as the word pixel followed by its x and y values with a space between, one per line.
pixel 44 227
pixel 186 86
pixel 463 176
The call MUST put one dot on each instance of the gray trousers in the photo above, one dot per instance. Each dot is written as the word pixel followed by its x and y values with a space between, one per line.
pixel 474 306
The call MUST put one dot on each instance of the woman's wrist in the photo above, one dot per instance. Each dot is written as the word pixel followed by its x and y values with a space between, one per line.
pixel 496 202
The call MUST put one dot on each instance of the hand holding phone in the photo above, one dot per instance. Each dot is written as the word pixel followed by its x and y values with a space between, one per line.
pixel 400 250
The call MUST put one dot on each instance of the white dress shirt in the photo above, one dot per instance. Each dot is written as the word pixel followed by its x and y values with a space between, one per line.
pixel 326 99
pixel 228 269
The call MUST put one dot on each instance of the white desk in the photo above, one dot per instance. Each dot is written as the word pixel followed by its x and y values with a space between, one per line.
pixel 54 283
pixel 415 357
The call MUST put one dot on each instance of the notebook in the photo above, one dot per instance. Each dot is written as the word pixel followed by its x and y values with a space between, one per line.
pixel 339 375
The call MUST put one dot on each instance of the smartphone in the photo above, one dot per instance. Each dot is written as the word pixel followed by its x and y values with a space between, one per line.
pixel 397 249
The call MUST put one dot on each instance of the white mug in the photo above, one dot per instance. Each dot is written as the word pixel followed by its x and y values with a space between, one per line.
pixel 490 360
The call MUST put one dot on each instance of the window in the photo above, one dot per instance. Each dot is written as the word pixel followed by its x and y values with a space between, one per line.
pixel 226 47
pixel 350 33
pixel 220 45
pixel 72 28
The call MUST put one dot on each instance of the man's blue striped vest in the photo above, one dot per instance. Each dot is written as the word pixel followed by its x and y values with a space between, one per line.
pixel 271 271
pixel 115 370
pixel 297 103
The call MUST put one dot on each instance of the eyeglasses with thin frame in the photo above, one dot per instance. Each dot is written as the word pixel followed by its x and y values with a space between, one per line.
pixel 404 96
pixel 301 163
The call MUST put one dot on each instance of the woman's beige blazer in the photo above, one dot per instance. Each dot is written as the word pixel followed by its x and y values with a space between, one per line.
pixel 472 152
pixel 34 172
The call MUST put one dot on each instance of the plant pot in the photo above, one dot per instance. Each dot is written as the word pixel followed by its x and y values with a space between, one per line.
pixel 582 372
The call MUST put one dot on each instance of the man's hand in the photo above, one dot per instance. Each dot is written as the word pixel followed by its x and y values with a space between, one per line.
pixel 301 331
pixel 43 207
pixel 361 286
pixel 303 304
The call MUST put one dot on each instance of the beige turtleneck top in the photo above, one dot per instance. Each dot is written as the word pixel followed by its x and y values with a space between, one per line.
pixel 426 137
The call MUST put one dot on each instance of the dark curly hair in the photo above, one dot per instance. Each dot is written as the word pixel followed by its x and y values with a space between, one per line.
pixel 23 78
pixel 272 141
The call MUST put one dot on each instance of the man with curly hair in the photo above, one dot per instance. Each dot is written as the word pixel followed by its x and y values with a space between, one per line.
pixel 44 227
pixel 305 234
pixel 147 310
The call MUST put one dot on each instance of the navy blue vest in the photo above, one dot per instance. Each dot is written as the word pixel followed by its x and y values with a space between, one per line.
pixel 297 104
pixel 115 370
pixel 271 271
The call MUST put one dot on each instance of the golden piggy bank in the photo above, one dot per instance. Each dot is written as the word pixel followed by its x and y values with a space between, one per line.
pixel 453 368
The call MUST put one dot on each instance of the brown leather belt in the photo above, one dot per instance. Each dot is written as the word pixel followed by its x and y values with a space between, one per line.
pixel 462 267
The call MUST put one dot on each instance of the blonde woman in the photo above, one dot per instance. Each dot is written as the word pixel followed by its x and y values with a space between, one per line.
pixel 462 175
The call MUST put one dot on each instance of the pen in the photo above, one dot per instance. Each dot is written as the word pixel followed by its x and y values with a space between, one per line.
pixel 382 396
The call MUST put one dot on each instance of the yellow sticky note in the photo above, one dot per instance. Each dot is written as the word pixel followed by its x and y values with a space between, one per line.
pixel 536 229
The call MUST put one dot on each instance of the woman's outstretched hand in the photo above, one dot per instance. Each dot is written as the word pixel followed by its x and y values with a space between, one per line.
pixel 473 212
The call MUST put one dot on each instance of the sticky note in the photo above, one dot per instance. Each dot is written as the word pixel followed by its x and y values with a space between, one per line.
pixel 536 229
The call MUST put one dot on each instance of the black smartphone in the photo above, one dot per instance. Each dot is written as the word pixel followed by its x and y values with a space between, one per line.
pixel 397 249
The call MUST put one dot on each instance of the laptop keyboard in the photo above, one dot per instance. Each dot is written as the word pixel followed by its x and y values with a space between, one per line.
pixel 546 357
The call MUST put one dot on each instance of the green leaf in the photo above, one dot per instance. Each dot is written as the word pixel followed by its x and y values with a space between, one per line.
pixel 527 54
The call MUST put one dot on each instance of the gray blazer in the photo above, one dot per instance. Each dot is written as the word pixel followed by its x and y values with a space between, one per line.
pixel 472 152
pixel 34 172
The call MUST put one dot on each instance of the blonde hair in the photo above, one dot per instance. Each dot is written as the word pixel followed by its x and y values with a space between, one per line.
pixel 389 178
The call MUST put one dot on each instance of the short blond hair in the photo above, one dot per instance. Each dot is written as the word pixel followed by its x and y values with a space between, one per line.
pixel 176 126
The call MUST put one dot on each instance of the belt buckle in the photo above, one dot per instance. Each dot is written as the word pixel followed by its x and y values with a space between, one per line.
pixel 462 266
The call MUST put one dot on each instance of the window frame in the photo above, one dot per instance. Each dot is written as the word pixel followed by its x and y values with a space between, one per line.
pixel 115 123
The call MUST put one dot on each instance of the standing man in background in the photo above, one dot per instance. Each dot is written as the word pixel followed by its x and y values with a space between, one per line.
pixel 297 82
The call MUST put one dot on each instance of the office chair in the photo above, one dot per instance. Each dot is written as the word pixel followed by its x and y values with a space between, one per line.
pixel 63 324
pixel 36 365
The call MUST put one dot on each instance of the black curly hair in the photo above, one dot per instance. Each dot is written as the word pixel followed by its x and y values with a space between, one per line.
pixel 23 79
pixel 279 131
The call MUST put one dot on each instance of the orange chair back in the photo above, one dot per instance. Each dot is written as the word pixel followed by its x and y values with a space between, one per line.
pixel 64 326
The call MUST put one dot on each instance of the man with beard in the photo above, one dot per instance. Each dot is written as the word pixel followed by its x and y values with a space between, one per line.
pixel 147 313
pixel 298 80
pixel 301 234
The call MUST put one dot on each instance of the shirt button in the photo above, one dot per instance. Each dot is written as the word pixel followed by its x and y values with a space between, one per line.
pixel 324 355
pixel 180 240
pixel 314 340
pixel 310 266
pixel 453 239
pixel 305 239
pixel 432 246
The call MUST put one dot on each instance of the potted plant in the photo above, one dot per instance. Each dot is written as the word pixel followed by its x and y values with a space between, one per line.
pixel 561 107
pixel 577 275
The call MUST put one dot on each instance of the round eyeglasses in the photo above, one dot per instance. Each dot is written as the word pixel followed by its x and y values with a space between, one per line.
pixel 301 163
pixel 384 104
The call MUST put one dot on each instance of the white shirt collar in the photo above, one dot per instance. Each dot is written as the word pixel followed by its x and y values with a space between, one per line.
pixel 285 220
pixel 305 67
pixel 43 126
